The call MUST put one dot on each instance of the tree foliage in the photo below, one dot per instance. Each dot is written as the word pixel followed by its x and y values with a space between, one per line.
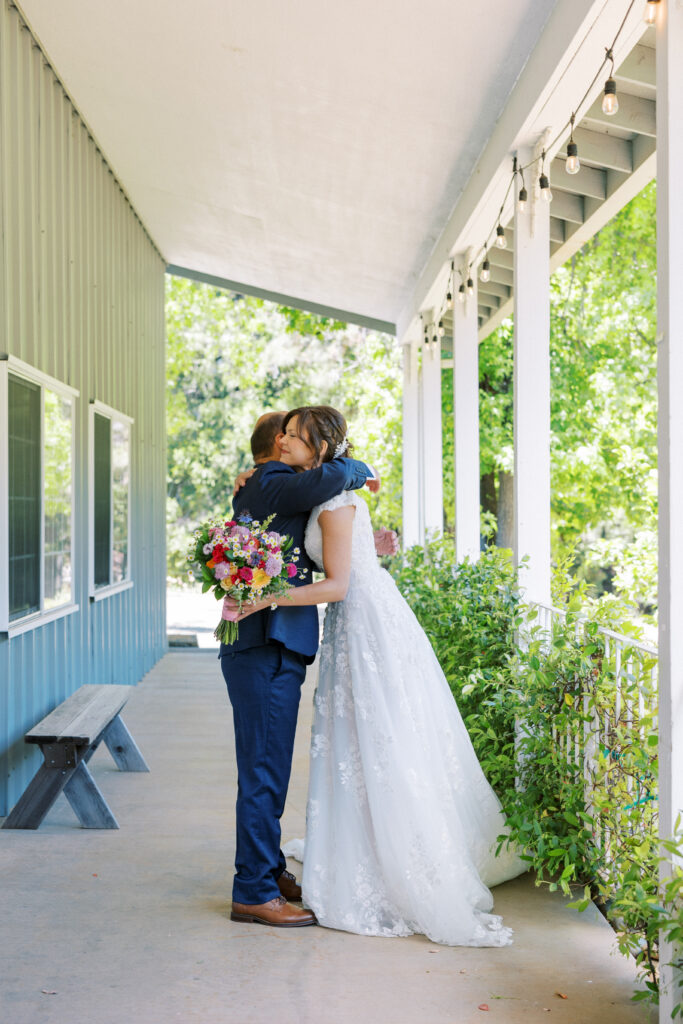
pixel 230 358
pixel 603 406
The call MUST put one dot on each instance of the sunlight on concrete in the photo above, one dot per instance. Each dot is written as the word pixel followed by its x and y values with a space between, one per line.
pixel 133 925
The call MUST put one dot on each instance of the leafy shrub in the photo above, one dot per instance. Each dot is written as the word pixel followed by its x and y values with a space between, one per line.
pixel 540 703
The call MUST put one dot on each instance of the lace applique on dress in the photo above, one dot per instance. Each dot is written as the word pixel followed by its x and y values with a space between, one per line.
pixel 402 825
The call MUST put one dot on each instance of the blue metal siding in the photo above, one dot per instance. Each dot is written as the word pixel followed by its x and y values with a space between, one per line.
pixel 82 299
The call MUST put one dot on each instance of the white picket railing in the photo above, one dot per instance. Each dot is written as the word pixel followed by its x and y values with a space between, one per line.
pixel 633 666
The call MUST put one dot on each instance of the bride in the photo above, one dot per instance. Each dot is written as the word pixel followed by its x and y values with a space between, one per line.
pixel 401 824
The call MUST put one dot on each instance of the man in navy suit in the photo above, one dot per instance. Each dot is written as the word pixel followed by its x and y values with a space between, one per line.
pixel 264 670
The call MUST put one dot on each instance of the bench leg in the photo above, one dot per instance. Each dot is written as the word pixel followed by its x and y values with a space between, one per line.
pixel 88 804
pixel 38 797
pixel 123 747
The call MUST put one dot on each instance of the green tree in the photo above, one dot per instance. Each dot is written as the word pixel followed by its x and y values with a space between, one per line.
pixel 230 358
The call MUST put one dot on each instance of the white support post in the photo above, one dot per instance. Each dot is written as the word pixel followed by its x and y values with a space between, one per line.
pixel 532 392
pixel 432 440
pixel 411 533
pixel 670 445
pixel 466 427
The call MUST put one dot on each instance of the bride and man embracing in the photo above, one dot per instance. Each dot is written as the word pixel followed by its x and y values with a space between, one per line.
pixel 401 824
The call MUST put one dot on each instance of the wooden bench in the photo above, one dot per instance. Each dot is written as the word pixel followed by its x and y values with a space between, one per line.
pixel 68 737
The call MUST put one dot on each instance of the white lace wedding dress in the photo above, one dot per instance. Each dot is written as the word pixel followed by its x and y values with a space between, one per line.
pixel 401 823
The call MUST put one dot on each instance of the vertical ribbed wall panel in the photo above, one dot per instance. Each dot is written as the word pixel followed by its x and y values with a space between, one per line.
pixel 81 298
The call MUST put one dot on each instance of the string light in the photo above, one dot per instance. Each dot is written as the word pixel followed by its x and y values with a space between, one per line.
pixel 610 103
pixel 544 183
pixel 485 272
pixel 441 330
pixel 572 165
pixel 610 106
pixel 650 13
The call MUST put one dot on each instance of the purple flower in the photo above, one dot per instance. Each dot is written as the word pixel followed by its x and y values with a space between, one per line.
pixel 254 559
pixel 221 570
pixel 274 538
pixel 273 565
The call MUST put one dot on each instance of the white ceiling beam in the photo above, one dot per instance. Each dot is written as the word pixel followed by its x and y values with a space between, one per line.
pixel 604 150
pixel 588 182
pixel 635 114
pixel 567 206
pixel 493 288
pixel 639 67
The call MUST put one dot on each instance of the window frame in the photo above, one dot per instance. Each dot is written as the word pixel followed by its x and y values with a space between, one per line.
pixel 10 365
pixel 99 593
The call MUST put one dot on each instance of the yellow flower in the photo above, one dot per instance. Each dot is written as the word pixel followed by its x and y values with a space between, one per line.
pixel 225 584
pixel 259 579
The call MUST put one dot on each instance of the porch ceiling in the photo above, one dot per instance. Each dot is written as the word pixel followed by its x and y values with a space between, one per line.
pixel 313 153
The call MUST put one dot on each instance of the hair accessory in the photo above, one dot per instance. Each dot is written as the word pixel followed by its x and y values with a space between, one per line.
pixel 341 448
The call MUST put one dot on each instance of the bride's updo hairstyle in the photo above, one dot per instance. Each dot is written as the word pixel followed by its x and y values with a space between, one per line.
pixel 317 424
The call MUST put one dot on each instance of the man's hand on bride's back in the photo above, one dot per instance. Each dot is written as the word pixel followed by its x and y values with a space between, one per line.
pixel 242 479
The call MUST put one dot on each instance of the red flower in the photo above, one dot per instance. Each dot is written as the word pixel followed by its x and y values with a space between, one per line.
pixel 291 570
pixel 246 574
pixel 230 522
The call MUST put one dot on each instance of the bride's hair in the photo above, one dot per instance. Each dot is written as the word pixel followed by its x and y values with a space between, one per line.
pixel 318 423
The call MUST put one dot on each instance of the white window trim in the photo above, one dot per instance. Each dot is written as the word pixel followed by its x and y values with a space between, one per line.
pixel 98 593
pixel 18 368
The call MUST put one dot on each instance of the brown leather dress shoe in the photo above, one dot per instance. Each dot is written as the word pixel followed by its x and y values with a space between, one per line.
pixel 277 913
pixel 289 887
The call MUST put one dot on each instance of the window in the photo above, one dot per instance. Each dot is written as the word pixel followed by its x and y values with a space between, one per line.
pixel 36 497
pixel 109 500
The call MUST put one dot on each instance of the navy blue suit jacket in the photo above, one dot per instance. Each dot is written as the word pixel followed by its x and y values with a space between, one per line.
pixel 279 489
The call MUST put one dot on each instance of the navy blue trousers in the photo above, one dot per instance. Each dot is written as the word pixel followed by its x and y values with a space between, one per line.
pixel 264 686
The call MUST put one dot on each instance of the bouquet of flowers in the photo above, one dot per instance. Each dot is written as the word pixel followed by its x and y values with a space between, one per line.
pixel 241 559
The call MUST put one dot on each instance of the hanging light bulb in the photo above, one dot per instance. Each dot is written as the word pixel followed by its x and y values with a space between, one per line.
pixel 572 166
pixel 543 182
pixel 470 286
pixel 485 272
pixel 461 293
pixel 441 331
pixel 522 198
pixel 650 13
pixel 610 103
pixel 501 240
pixel 449 299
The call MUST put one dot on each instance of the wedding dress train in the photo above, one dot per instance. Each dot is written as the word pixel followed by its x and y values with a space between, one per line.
pixel 401 824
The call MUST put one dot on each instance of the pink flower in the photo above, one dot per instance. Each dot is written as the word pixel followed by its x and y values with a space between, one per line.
pixel 221 571
pixel 291 570
pixel 246 574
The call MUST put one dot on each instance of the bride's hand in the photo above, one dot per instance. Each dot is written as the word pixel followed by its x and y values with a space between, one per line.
pixel 231 609
pixel 242 479
pixel 374 484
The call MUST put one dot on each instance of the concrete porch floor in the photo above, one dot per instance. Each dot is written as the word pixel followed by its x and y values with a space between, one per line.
pixel 133 925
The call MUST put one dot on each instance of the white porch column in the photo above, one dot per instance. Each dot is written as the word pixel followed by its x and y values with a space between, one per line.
pixel 411 533
pixel 532 392
pixel 466 427
pixel 431 454
pixel 670 441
